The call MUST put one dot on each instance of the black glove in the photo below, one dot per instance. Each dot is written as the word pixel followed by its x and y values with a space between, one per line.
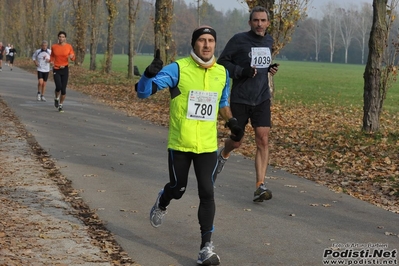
pixel 275 65
pixel 236 130
pixel 155 66
pixel 248 72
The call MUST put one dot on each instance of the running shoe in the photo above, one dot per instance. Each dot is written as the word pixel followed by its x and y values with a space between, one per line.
pixel 38 96
pixel 156 214
pixel 206 255
pixel 60 108
pixel 262 193
pixel 43 99
pixel 56 102
pixel 221 162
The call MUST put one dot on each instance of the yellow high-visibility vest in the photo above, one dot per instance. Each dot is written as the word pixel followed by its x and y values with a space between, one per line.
pixel 189 134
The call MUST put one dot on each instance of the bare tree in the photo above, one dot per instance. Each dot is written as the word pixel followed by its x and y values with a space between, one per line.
pixel 112 13
pixel 381 68
pixel 162 28
pixel 314 32
pixel 347 27
pixel 200 9
pixel 2 8
pixel 134 7
pixel 330 25
pixel 144 33
pixel 364 20
pixel 95 28
pixel 80 25
pixel 43 10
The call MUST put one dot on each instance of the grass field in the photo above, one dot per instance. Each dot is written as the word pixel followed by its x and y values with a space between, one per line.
pixel 300 82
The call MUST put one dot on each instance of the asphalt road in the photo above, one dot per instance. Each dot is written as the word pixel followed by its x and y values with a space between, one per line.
pixel 119 164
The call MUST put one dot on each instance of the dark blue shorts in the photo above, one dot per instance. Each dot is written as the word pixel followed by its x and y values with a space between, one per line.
pixel 260 115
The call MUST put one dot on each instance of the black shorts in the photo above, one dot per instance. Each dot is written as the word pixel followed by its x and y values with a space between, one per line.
pixel 1 56
pixel 42 75
pixel 260 115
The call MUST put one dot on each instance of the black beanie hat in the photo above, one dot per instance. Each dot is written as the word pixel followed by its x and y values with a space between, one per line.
pixel 202 30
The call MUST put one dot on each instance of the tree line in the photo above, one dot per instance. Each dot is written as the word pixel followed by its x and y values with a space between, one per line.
pixel 340 35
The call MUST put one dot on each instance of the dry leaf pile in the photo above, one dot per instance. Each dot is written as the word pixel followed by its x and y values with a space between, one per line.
pixel 321 143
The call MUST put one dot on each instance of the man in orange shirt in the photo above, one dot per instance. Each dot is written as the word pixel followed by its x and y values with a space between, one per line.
pixel 61 53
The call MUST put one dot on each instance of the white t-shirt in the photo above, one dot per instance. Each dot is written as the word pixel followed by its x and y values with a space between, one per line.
pixel 41 56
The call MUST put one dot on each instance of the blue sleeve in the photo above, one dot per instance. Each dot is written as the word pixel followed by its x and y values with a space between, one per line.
pixel 224 100
pixel 168 77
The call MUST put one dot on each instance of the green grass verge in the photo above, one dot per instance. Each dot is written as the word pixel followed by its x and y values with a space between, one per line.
pixel 307 83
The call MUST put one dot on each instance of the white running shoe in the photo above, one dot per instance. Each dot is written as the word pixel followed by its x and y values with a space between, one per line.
pixel 156 214
pixel 221 162
pixel 206 255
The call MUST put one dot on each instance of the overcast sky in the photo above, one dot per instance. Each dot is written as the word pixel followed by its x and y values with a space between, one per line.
pixel 224 5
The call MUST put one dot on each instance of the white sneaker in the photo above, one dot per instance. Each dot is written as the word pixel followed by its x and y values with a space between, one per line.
pixel 38 97
pixel 156 214
pixel 206 255
pixel 221 162
pixel 43 99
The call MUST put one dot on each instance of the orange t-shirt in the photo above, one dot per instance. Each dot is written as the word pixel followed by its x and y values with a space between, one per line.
pixel 60 54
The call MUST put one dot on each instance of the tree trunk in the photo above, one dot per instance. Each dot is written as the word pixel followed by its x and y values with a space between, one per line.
pixel 133 9
pixel 80 24
pixel 162 28
pixel 46 13
pixel 94 33
pixel 372 75
pixel 112 13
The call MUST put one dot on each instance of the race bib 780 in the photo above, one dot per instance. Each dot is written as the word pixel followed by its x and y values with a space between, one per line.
pixel 202 105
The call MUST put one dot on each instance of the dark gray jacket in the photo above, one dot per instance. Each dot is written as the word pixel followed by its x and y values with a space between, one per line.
pixel 235 57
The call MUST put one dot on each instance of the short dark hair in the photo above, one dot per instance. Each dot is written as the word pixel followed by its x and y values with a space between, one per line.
pixel 61 32
pixel 257 9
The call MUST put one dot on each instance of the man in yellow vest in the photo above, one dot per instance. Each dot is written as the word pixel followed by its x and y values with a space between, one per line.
pixel 199 89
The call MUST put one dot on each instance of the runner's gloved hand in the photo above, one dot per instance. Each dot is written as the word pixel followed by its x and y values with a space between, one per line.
pixel 273 68
pixel 248 72
pixel 155 66
pixel 236 130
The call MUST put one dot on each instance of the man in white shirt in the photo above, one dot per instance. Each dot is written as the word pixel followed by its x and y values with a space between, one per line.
pixel 41 58
pixel 8 54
